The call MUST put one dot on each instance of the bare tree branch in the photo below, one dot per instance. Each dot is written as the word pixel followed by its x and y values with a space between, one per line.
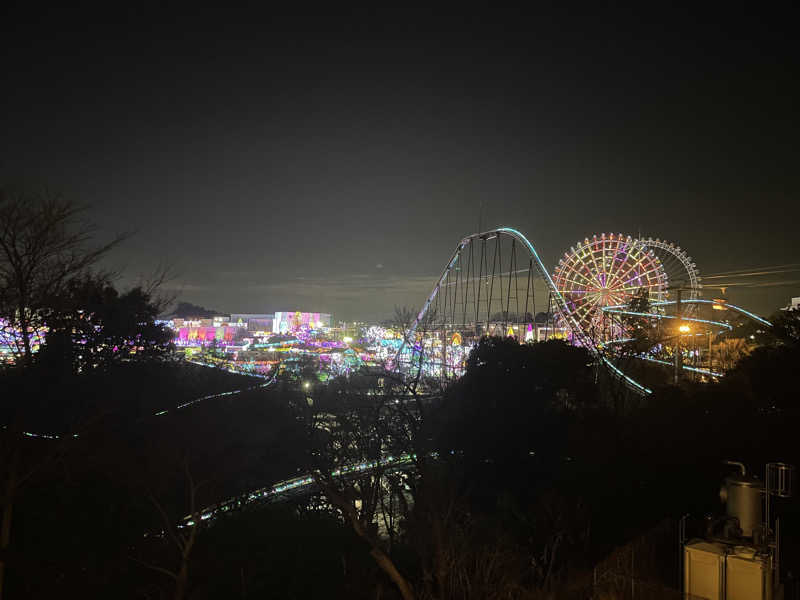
pixel 43 244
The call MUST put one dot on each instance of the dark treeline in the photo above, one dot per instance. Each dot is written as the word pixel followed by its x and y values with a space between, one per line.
pixel 533 479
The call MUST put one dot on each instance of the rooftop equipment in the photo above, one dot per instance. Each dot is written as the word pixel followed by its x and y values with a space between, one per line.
pixel 739 557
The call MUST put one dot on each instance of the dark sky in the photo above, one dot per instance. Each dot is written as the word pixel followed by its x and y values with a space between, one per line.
pixel 332 164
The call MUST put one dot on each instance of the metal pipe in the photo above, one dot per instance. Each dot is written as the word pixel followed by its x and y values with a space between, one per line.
pixel 777 552
pixel 736 463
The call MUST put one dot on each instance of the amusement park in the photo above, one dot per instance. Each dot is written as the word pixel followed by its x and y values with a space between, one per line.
pixel 637 304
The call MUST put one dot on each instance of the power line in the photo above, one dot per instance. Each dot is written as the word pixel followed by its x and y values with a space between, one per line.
pixel 753 284
pixel 756 271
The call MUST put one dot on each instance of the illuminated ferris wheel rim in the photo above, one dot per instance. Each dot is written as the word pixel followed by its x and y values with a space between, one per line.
pixel 676 252
pixel 607 270
pixel 689 274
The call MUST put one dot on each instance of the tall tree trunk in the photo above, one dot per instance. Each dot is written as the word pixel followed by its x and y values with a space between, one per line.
pixel 387 566
pixel 382 559
pixel 8 511
pixel 24 325
pixel 180 581
pixel 439 555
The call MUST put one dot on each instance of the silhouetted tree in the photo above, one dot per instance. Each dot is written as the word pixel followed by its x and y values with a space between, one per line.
pixel 186 310
pixel 92 326
pixel 786 327
pixel 512 398
pixel 43 245
pixel 727 352
pixel 183 539
pixel 355 422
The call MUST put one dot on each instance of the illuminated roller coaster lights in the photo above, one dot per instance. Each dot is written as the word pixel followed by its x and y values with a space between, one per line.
pixel 715 303
pixel 613 310
pixel 619 310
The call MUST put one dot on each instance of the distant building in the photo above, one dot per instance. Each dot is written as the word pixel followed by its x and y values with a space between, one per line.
pixel 191 332
pixel 552 332
pixel 204 334
pixel 254 321
pixel 794 304
pixel 290 321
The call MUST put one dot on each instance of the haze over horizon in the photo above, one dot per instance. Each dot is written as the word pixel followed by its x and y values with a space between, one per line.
pixel 333 165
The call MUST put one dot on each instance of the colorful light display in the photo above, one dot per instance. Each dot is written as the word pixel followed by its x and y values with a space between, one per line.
pixel 11 341
pixel 203 335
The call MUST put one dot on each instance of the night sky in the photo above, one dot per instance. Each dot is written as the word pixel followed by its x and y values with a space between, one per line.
pixel 332 164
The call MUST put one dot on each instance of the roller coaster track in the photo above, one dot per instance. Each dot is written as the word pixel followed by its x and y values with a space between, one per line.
pixel 269 380
pixel 464 258
pixel 720 326
pixel 535 263
pixel 623 310
pixel 465 297
pixel 296 487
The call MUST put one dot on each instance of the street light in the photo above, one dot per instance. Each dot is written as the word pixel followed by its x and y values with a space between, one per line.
pixel 683 329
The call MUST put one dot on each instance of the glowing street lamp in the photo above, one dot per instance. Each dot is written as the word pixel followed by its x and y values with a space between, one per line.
pixel 683 328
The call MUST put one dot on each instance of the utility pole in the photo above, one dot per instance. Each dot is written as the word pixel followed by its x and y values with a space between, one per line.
pixel 677 350
pixel 444 353
pixel 710 357
pixel 681 329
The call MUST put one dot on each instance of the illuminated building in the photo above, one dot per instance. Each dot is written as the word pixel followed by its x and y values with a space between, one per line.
pixel 291 321
pixel 205 334
pixel 254 322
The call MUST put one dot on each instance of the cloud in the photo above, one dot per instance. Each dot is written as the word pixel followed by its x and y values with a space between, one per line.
pixel 354 287
pixel 189 287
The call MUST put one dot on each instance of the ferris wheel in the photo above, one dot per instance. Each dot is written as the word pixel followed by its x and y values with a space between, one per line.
pixel 679 266
pixel 607 270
